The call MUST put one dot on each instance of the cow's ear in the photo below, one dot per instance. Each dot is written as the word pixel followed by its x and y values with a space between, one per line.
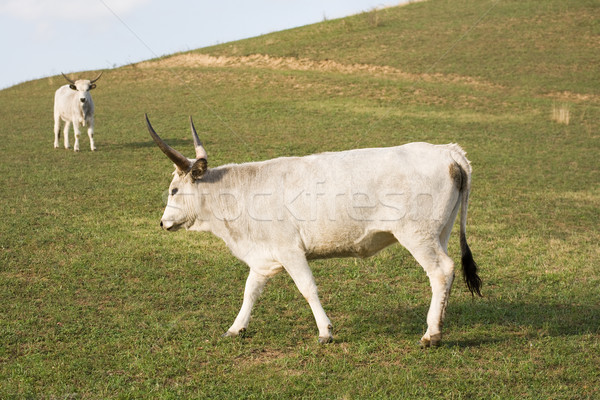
pixel 73 87
pixel 199 168
pixel 92 86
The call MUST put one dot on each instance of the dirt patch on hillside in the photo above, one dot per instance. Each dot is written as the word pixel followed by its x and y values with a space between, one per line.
pixel 302 64
pixel 568 96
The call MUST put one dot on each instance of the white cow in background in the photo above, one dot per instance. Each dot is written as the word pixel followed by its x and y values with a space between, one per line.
pixel 73 104
pixel 277 214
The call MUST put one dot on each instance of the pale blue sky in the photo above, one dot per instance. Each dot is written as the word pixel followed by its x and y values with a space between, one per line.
pixel 40 38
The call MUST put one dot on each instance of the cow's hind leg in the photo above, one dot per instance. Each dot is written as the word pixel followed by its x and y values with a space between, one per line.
pixel 440 270
pixel 254 286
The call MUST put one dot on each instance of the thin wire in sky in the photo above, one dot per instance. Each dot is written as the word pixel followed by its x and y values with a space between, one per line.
pixel 195 94
pixel 370 127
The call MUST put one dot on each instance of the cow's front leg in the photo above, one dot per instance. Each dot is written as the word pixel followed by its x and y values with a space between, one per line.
pixel 303 278
pixel 56 131
pixel 91 135
pixel 77 133
pixel 254 286
pixel 66 134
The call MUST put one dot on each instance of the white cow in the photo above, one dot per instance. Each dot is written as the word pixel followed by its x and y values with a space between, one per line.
pixel 277 214
pixel 73 104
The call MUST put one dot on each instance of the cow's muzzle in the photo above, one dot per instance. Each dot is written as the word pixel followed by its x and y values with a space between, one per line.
pixel 82 99
pixel 168 225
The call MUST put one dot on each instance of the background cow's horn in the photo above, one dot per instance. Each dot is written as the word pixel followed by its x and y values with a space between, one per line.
pixel 98 77
pixel 179 159
pixel 200 151
pixel 70 81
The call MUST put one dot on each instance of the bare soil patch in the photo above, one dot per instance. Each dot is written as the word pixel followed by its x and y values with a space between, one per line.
pixel 303 64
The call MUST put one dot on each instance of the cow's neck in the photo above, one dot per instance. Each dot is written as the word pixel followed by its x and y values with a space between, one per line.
pixel 218 212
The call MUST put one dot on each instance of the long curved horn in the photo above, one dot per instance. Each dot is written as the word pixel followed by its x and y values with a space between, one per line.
pixel 70 81
pixel 179 159
pixel 98 77
pixel 200 151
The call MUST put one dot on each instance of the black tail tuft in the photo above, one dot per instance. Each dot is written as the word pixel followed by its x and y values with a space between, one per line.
pixel 469 267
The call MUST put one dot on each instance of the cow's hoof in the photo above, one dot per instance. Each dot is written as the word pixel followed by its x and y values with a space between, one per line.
pixel 325 339
pixel 240 333
pixel 432 341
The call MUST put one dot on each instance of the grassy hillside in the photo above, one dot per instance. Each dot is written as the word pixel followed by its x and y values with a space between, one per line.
pixel 97 302
pixel 541 47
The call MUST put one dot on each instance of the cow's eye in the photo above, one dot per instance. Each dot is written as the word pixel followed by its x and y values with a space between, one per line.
pixel 174 191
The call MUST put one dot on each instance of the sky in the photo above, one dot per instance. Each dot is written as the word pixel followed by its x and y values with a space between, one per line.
pixel 41 38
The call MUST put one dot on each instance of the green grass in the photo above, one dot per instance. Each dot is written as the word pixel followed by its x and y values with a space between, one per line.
pixel 97 302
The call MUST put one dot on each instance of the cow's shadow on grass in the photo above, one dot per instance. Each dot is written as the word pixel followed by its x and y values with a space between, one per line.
pixel 504 319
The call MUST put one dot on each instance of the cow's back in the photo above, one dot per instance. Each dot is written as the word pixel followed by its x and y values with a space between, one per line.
pixel 344 203
pixel 63 101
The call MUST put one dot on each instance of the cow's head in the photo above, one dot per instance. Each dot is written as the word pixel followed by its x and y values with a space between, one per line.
pixel 83 87
pixel 181 204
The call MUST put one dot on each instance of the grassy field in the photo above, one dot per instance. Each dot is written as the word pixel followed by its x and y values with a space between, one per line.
pixel 97 302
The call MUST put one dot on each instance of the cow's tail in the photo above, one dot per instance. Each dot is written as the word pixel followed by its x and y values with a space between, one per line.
pixel 469 266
